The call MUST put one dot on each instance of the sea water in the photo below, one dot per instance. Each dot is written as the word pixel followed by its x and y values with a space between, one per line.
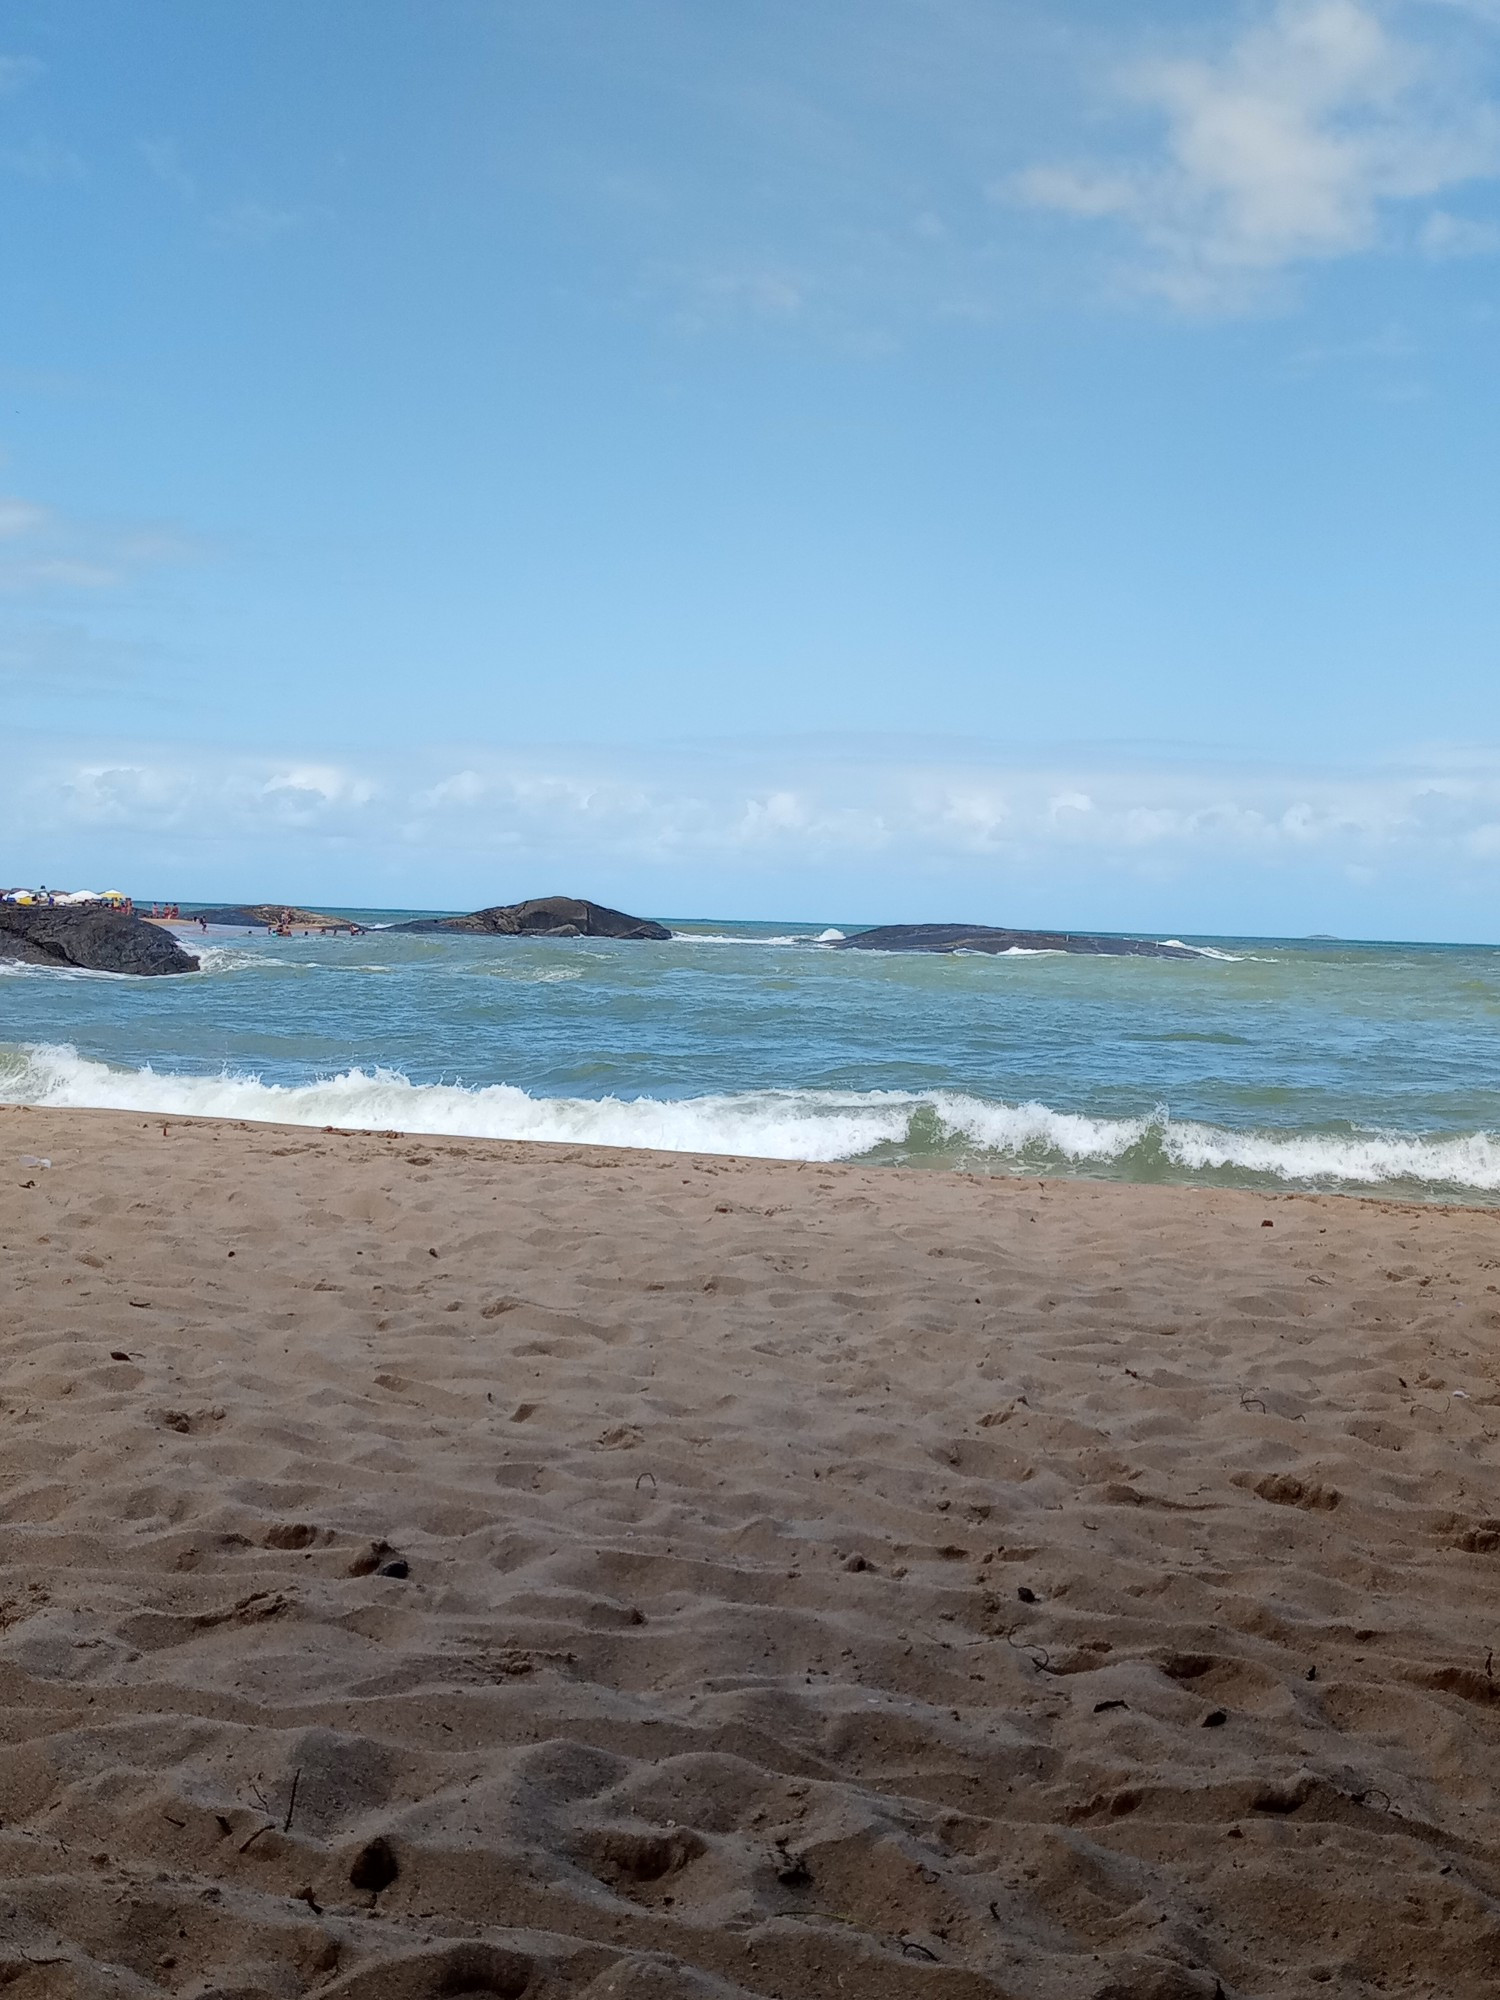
pixel 1253 1063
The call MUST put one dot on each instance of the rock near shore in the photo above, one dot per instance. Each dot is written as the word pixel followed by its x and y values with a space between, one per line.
pixel 91 938
pixel 544 917
pixel 984 937
pixel 262 916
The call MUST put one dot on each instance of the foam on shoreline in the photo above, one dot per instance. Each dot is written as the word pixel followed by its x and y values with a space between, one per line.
pixel 942 1127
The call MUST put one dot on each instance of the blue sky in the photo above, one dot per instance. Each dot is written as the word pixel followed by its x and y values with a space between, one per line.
pixel 890 458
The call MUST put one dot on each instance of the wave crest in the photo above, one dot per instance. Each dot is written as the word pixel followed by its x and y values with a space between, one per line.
pixel 938 1127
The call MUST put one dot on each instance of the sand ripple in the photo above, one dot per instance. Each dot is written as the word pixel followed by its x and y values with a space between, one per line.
pixel 444 1568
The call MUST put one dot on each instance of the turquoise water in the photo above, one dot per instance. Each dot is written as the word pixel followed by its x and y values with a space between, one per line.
pixel 1265 1063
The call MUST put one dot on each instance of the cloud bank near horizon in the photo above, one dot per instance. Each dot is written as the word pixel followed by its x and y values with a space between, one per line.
pixel 737 824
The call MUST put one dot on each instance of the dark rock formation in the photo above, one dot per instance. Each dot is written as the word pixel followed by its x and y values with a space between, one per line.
pixel 544 917
pixel 260 916
pixel 983 937
pixel 92 937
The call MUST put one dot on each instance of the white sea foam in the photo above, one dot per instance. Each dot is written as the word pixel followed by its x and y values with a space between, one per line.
pixel 1013 1130
pixel 773 1124
pixel 529 975
pixel 733 937
pixel 214 958
pixel 1205 951
pixel 811 1125
pixel 14 968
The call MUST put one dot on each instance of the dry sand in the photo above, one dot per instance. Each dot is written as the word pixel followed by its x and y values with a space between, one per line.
pixel 819 1581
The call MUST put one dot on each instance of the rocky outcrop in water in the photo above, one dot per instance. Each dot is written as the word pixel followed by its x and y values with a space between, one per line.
pixel 544 917
pixel 92 938
pixel 984 937
pixel 262 916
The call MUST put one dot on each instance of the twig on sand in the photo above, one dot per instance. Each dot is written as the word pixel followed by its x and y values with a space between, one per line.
pixel 291 1804
pixel 1039 1657
pixel 645 1475
pixel 246 1845
pixel 1250 1402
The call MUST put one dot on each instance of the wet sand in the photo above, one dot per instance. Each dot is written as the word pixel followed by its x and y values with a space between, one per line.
pixel 808 1581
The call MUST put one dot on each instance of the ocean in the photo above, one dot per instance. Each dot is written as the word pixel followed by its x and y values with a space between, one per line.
pixel 1262 1063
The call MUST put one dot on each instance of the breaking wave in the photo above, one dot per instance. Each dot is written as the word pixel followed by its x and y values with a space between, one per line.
pixel 18 968
pixel 236 958
pixel 952 1128
pixel 755 938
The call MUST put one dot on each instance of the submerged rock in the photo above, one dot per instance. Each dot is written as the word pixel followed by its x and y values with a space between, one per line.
pixel 92 937
pixel 984 937
pixel 545 916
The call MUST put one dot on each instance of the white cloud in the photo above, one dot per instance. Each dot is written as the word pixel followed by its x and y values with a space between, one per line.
pixel 308 788
pixel 804 807
pixel 259 222
pixel 844 831
pixel 246 221
pixel 41 160
pixel 20 517
pixel 1069 802
pixel 714 294
pixel 35 158
pixel 164 158
pixel 43 552
pixel 1295 143
pixel 464 788
pixel 1444 235
pixel 16 72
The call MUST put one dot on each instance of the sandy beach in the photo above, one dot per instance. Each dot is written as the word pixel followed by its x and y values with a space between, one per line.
pixel 439 1567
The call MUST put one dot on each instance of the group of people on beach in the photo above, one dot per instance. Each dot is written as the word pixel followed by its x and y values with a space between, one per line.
pixel 43 898
pixel 287 923
pixel 284 923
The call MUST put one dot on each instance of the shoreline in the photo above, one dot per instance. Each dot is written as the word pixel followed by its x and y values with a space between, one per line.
pixel 1283 1076
pixel 818 1579
pixel 602 1153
